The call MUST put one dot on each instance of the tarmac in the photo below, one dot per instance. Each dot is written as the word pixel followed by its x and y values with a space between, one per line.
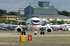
pixel 18 35
pixel 34 45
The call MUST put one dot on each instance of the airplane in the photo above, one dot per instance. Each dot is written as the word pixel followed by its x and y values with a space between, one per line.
pixel 35 24
pixel 4 26
pixel 65 27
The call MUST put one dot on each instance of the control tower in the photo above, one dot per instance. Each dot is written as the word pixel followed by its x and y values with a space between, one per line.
pixel 43 3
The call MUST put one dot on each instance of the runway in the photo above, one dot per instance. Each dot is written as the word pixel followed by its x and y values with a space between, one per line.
pixel 45 36
pixel 18 35
pixel 35 45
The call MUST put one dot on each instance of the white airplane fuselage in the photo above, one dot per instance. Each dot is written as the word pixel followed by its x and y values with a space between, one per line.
pixel 34 23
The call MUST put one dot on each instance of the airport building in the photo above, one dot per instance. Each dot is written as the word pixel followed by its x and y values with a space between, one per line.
pixel 42 10
pixel 45 12
pixel 11 18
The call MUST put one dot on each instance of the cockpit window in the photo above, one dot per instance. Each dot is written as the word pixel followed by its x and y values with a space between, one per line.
pixel 35 21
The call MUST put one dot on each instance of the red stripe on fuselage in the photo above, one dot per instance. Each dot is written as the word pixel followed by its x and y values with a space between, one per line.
pixel 36 24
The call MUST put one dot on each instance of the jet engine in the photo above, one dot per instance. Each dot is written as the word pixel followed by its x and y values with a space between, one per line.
pixel 49 30
pixel 19 29
pixel 46 29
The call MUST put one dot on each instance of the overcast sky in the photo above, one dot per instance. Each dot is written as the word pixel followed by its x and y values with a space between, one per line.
pixel 14 5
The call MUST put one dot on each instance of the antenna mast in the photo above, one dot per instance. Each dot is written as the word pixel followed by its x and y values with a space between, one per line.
pixel 30 11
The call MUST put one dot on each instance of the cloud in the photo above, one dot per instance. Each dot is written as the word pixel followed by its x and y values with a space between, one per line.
pixel 14 5
pixel 62 5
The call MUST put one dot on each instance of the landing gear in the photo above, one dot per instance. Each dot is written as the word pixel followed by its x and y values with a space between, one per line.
pixel 42 33
pixel 23 33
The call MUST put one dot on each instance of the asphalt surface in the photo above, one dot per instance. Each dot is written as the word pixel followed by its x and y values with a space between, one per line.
pixel 34 45
pixel 18 35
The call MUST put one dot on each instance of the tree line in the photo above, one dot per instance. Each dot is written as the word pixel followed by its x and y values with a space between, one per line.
pixel 66 13
pixel 4 12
